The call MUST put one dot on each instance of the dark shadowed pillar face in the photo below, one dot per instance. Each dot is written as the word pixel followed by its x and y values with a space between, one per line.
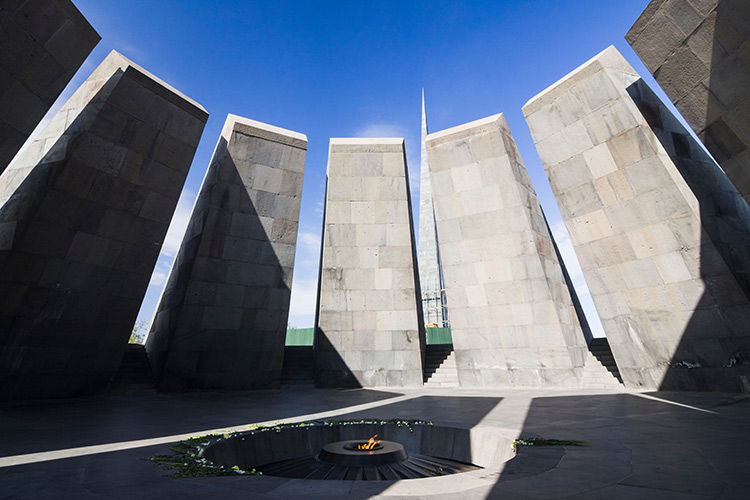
pixel 512 318
pixel 42 45
pixel 83 214
pixel 699 52
pixel 221 323
pixel 660 231
pixel 369 324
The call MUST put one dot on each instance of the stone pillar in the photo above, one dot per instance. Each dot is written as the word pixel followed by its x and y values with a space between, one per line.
pixel 222 319
pixel 661 233
pixel 699 52
pixel 369 329
pixel 512 317
pixel 83 214
pixel 42 45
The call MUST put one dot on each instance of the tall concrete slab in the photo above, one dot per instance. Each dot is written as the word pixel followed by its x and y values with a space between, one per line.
pixel 431 282
pixel 512 318
pixel 222 319
pixel 699 52
pixel 369 329
pixel 660 231
pixel 83 214
pixel 42 45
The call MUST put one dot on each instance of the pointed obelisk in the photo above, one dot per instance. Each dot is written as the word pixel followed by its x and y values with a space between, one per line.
pixel 430 274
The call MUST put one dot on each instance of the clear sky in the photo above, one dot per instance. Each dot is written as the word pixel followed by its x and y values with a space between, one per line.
pixel 355 68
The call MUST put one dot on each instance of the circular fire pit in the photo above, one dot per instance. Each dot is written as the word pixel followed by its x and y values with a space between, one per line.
pixel 350 453
pixel 332 451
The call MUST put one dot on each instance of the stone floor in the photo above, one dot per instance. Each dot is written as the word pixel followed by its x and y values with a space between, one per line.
pixel 639 445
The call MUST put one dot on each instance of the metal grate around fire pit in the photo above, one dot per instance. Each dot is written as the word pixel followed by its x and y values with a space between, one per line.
pixel 326 451
pixel 414 467
pixel 371 460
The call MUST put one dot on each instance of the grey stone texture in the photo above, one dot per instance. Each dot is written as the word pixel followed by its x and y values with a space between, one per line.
pixel 221 323
pixel 83 214
pixel 42 45
pixel 660 231
pixel 699 52
pixel 431 282
pixel 369 329
pixel 512 318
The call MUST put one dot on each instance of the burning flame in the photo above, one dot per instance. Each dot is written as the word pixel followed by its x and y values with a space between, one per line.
pixel 370 444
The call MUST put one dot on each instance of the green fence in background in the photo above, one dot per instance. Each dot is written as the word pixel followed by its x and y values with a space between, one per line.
pixel 304 336
pixel 300 336
pixel 437 335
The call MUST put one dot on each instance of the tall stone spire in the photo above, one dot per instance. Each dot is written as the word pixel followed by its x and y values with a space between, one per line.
pixel 430 274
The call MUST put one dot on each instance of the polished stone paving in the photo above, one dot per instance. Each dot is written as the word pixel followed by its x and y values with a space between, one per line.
pixel 638 445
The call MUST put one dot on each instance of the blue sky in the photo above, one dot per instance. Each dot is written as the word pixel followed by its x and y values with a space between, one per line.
pixel 355 68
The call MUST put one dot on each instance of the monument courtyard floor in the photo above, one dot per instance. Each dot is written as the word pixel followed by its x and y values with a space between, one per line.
pixel 637 445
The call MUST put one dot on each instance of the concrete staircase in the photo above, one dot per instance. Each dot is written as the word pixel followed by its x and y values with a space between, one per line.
pixel 440 366
pixel 135 375
pixel 298 369
pixel 600 371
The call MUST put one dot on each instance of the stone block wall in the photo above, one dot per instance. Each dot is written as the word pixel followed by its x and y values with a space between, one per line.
pixel 660 231
pixel 42 45
pixel 83 214
pixel 221 323
pixel 699 52
pixel 512 318
pixel 369 329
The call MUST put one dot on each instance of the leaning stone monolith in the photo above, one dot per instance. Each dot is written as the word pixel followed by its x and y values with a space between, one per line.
pixel 369 329
pixel 512 318
pixel 699 52
pixel 660 231
pixel 42 45
pixel 222 319
pixel 83 214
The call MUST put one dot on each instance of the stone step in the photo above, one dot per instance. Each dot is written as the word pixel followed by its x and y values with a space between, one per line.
pixel 298 370
pixel 600 351
pixel 598 376
pixel 445 375
pixel 134 375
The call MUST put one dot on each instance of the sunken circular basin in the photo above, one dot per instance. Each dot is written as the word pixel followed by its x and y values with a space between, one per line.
pixel 393 452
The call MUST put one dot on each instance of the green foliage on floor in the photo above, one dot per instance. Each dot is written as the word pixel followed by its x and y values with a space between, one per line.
pixel 547 442
pixel 188 461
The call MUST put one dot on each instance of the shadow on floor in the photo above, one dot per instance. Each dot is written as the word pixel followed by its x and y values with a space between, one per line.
pixel 60 424
pixel 650 445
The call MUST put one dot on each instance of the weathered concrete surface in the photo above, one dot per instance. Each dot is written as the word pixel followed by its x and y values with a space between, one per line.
pixel 222 319
pixel 661 233
pixel 699 52
pixel 369 329
pixel 431 282
pixel 512 318
pixel 83 213
pixel 42 44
